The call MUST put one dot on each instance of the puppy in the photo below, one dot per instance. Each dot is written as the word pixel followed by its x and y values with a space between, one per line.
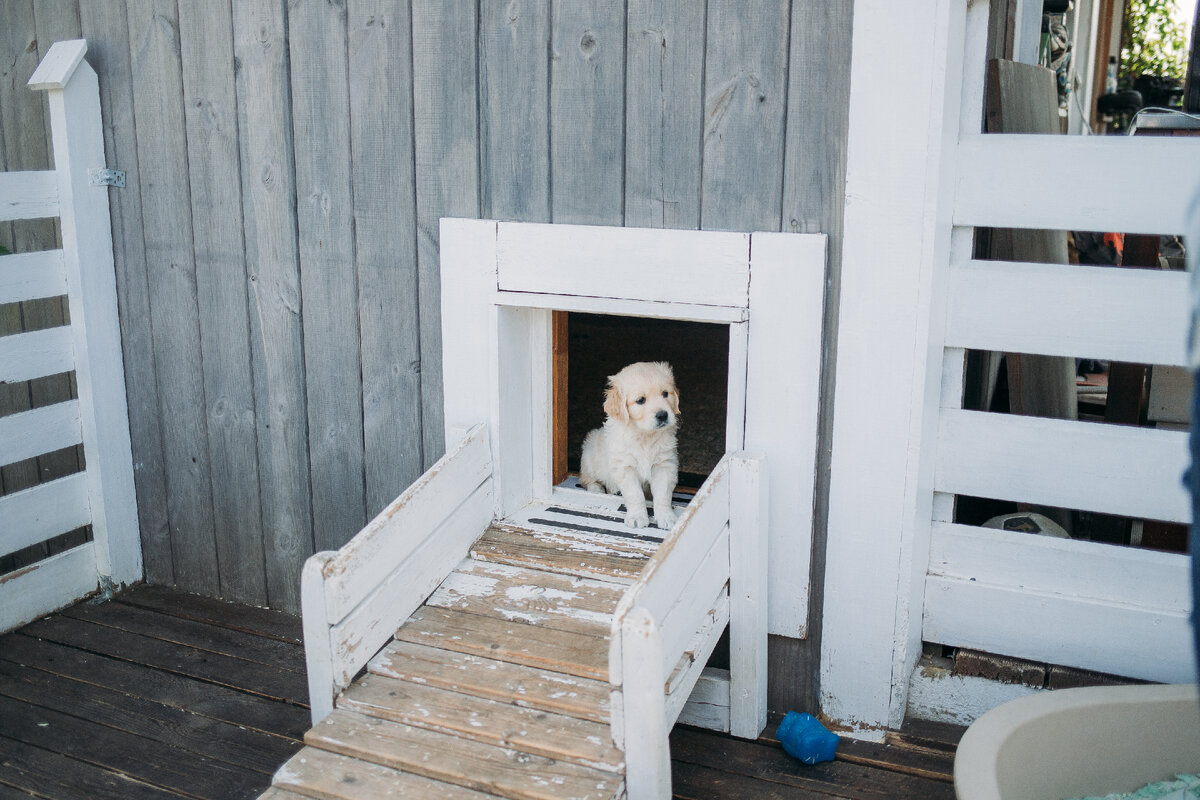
pixel 635 448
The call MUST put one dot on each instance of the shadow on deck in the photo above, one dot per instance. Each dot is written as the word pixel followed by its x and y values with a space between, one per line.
pixel 161 694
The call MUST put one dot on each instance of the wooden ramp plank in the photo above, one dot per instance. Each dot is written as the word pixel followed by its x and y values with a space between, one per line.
pixel 537 732
pixel 497 680
pixel 464 762
pixel 567 552
pixel 329 776
pixel 518 594
pixel 515 642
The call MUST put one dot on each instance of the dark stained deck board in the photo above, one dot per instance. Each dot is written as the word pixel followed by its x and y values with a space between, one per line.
pixel 153 715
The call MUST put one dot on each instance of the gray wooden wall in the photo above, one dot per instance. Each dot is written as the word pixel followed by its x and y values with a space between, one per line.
pixel 277 241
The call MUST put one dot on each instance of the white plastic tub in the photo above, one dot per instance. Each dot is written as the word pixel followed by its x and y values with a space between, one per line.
pixel 1080 742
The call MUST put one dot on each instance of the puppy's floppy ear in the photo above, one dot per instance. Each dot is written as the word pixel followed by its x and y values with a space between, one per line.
pixel 614 402
pixel 673 400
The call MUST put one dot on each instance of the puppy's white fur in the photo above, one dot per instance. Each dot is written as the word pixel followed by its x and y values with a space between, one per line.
pixel 635 449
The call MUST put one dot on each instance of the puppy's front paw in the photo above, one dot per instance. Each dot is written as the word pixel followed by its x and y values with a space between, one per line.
pixel 637 518
pixel 665 518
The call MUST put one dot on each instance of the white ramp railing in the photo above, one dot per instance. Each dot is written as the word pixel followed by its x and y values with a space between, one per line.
pixel 101 496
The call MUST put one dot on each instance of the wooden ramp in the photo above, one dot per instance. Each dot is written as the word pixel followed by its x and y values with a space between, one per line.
pixel 496 687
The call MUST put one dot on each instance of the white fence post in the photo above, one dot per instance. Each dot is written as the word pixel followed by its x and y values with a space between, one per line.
pixel 73 92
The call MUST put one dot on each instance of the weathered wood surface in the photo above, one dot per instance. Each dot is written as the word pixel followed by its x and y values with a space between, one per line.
pixel 495 120
pixel 565 551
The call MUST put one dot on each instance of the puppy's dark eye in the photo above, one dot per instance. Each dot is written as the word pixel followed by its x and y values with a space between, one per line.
pixel 664 394
pixel 641 401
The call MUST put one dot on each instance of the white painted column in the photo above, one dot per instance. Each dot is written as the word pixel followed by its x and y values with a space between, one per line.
pixel 904 100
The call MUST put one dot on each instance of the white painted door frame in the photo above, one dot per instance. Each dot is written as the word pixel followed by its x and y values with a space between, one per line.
pixel 767 287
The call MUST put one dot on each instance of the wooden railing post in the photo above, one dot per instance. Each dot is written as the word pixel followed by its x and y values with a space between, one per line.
pixel 647 757
pixel 747 596
pixel 73 92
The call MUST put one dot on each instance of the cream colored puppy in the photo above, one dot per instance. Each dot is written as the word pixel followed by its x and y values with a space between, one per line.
pixel 635 448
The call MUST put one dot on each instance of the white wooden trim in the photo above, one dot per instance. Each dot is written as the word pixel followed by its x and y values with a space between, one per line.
pixel 28 195
pixel 735 387
pixel 42 512
pixel 1093 570
pixel 318 638
pixel 47 586
pixel 1123 639
pixel 39 431
pixel 92 295
pixel 689 668
pixel 31 276
pixel 888 339
pixel 36 354
pixel 1014 181
pixel 1113 469
pixel 647 759
pixel 398 531
pixel 688 312
pixel 748 602
pixel 692 609
pixel 1129 314
pixel 692 267
pixel 58 65
pixel 787 292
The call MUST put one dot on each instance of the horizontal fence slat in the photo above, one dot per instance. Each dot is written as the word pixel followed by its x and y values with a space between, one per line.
pixel 687 267
pixel 39 431
pixel 36 354
pixel 1127 640
pixel 44 511
pixel 1049 564
pixel 1112 469
pixel 1128 184
pixel 1136 315
pixel 28 195
pixel 632 308
pixel 32 276
pixel 47 586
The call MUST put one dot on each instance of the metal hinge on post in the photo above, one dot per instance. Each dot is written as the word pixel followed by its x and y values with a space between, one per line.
pixel 107 177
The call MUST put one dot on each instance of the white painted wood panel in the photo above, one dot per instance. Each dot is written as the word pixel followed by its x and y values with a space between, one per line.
pixel 787 291
pixel 1012 181
pixel 401 528
pixel 697 651
pixel 708 704
pixel 48 585
pixel 29 276
pixel 1126 639
pixel 357 638
pixel 697 595
pixel 43 511
pixel 704 268
pixel 1083 569
pixel 629 308
pixel 1088 466
pixel 1129 314
pixel 749 603
pixel 28 195
pixel 38 431
pixel 25 356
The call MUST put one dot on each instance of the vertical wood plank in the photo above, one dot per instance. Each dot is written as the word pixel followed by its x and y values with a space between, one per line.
pixel 106 28
pixel 446 135
pixel 587 129
pixel 513 108
pixel 664 109
pixel 273 263
pixel 813 197
pixel 381 142
pixel 321 126
pixel 744 96
pixel 214 177
pixel 167 231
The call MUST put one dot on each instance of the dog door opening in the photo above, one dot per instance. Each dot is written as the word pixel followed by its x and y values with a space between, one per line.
pixel 597 346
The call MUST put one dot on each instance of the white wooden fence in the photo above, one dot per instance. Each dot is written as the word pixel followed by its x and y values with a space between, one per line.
pixel 103 495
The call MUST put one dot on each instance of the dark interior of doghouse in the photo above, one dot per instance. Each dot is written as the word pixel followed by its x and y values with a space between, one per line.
pixel 600 345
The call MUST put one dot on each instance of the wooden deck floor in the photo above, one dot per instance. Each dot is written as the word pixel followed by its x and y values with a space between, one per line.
pixel 160 694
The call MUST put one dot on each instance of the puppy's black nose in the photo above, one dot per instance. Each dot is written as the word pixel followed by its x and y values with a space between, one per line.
pixel 661 417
